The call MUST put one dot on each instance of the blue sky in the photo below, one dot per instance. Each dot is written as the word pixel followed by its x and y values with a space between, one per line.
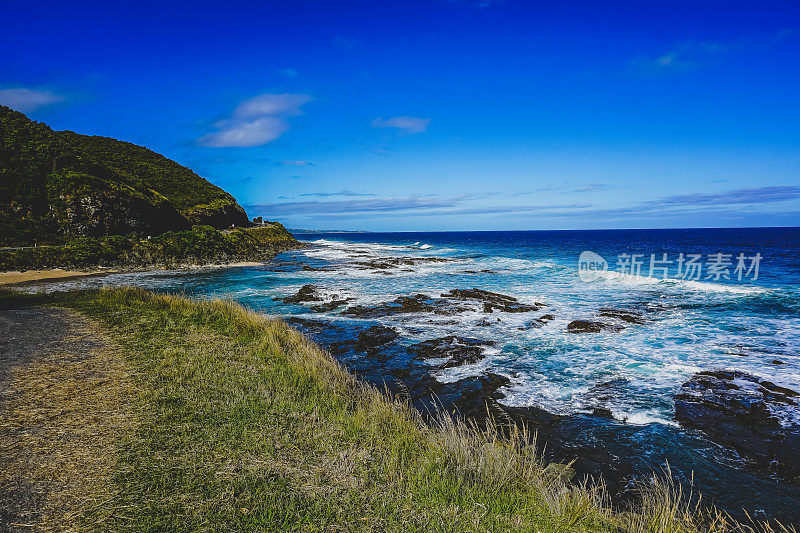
pixel 437 115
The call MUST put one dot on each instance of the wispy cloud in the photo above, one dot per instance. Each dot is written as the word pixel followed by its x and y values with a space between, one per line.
pixel 256 121
pixel 419 205
pixel 404 123
pixel 758 195
pixel 480 4
pixel 697 204
pixel 340 193
pixel 563 189
pixel 683 56
pixel 695 54
pixel 591 187
pixel 345 42
pixel 785 34
pixel 548 188
pixel 295 163
pixel 410 203
pixel 27 100
pixel 541 210
pixel 675 209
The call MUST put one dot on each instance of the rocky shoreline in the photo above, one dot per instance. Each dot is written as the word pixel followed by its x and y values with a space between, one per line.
pixel 743 420
pixel 753 416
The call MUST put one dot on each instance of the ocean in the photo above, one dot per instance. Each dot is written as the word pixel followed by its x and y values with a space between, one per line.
pixel 664 305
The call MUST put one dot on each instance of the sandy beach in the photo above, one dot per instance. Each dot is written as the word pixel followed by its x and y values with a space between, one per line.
pixel 13 277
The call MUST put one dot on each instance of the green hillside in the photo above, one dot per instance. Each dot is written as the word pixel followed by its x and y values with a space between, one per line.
pixel 58 185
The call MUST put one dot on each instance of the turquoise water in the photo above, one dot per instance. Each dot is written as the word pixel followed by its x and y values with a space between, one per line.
pixel 689 325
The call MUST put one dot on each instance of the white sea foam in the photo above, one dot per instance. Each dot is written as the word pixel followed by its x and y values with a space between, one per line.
pixel 642 418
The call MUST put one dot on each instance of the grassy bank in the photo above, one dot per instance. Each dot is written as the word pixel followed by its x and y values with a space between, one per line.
pixel 198 245
pixel 243 424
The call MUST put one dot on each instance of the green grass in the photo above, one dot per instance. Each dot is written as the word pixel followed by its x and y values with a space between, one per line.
pixel 243 424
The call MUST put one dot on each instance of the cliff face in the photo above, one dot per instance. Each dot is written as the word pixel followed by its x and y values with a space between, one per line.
pixel 57 185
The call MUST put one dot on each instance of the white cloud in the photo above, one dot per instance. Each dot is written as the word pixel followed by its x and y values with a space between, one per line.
pixel 257 121
pixel 404 123
pixel 272 104
pixel 26 100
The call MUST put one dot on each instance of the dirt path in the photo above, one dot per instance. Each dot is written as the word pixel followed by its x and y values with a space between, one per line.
pixel 65 396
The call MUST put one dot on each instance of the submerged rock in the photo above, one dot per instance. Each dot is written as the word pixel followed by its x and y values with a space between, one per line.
pixel 626 316
pixel 591 326
pixel 329 306
pixel 755 417
pixel 308 268
pixel 458 350
pixel 368 340
pixel 386 263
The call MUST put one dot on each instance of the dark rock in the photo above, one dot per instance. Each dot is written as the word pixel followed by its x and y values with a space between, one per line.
pixel 308 268
pixel 782 391
pixel 328 306
pixel 603 412
pixel 391 366
pixel 307 293
pixel 606 390
pixel 374 264
pixel 537 323
pixel 777 362
pixel 311 293
pixel 626 316
pixel 492 300
pixel 377 335
pixel 386 263
pixel 419 303
pixel 755 417
pixel 459 350
pixel 368 340
pixel 590 326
